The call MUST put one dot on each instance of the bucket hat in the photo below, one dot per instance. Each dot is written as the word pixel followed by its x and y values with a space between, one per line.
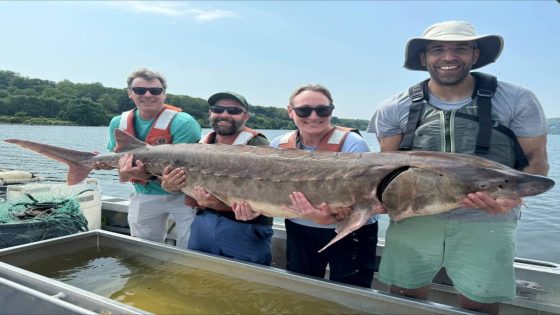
pixel 229 95
pixel 490 46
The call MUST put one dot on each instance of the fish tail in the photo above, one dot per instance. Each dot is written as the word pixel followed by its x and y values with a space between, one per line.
pixel 80 163
pixel 355 221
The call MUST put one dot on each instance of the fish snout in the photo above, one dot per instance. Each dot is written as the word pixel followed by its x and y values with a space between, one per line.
pixel 535 185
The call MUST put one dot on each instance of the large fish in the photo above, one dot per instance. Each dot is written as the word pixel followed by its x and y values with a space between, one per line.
pixel 406 183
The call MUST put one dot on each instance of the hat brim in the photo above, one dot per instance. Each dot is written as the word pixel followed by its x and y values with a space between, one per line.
pixel 490 47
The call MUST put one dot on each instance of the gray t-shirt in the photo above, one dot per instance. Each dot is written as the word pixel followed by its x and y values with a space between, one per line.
pixel 514 106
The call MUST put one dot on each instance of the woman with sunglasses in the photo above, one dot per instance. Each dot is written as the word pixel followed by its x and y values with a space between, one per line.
pixel 352 259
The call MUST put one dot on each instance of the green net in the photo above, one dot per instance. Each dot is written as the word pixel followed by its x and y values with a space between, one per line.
pixel 33 218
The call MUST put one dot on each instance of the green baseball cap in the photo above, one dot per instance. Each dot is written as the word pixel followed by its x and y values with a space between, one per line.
pixel 229 95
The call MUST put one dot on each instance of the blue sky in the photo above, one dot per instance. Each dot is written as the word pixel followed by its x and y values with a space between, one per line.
pixel 264 50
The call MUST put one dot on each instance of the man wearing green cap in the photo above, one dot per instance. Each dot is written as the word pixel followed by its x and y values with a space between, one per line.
pixel 218 229
pixel 460 111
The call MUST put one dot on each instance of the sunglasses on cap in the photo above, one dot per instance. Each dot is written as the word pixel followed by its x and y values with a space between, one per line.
pixel 230 110
pixel 143 90
pixel 321 110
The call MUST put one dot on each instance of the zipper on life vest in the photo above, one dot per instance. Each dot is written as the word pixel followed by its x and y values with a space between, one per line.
pixel 452 147
pixel 447 127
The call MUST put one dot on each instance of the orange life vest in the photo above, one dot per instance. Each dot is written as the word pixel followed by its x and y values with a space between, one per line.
pixel 332 141
pixel 242 138
pixel 159 132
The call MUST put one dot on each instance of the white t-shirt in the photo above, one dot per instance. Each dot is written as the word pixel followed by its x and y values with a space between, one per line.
pixel 352 143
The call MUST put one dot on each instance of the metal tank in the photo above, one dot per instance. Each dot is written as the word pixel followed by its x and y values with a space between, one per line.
pixel 28 293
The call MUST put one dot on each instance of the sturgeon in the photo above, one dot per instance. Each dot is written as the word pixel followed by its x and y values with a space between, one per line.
pixel 406 184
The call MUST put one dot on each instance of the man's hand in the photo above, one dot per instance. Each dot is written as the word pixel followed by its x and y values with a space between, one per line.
pixel 172 180
pixel 206 200
pixel 243 211
pixel 322 215
pixel 101 165
pixel 482 201
pixel 128 171
pixel 191 202
pixel 379 209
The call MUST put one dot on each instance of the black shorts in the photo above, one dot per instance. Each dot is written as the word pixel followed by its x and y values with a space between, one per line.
pixel 351 260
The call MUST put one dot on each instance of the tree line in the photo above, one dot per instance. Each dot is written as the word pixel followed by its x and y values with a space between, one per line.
pixel 35 101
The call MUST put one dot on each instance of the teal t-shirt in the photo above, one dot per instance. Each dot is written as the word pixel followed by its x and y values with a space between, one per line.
pixel 184 129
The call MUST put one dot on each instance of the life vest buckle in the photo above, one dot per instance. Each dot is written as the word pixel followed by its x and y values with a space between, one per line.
pixel 417 93
pixel 484 93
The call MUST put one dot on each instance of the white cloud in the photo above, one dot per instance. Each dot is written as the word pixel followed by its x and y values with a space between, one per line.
pixel 173 9
pixel 201 15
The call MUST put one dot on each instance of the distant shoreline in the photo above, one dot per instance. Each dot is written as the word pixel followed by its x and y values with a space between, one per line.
pixel 553 125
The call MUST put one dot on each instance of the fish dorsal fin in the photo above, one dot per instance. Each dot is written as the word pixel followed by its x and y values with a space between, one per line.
pixel 126 142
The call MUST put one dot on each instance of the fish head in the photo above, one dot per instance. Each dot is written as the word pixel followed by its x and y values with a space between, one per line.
pixel 477 173
pixel 414 191
pixel 508 183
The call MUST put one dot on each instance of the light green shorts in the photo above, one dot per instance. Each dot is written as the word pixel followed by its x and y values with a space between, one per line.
pixel 478 256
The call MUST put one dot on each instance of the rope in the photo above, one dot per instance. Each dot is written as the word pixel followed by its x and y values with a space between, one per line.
pixel 37 219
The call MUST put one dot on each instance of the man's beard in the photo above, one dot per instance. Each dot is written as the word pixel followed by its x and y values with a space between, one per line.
pixel 226 130
pixel 435 75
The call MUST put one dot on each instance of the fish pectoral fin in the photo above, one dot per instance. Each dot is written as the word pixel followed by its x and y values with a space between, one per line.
pixel 356 220
pixel 415 191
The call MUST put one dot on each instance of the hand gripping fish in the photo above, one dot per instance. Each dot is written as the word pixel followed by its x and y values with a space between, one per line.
pixel 407 184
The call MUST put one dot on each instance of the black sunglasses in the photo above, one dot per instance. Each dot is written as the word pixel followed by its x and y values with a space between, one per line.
pixel 321 110
pixel 230 110
pixel 143 90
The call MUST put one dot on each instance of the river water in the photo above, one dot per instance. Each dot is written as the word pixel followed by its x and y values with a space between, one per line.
pixel 538 233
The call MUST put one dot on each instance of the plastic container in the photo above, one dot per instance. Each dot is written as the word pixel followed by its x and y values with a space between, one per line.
pixel 16 177
pixel 87 192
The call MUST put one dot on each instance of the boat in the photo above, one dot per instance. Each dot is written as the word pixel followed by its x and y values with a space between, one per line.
pixel 538 282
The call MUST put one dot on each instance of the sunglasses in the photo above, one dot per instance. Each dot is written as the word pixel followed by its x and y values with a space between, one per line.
pixel 230 110
pixel 321 110
pixel 143 90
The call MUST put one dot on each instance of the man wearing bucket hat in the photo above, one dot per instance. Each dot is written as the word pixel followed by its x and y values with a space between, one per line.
pixel 460 111
pixel 218 229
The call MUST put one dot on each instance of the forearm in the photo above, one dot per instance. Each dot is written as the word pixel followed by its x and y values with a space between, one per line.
pixel 535 151
pixel 537 168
